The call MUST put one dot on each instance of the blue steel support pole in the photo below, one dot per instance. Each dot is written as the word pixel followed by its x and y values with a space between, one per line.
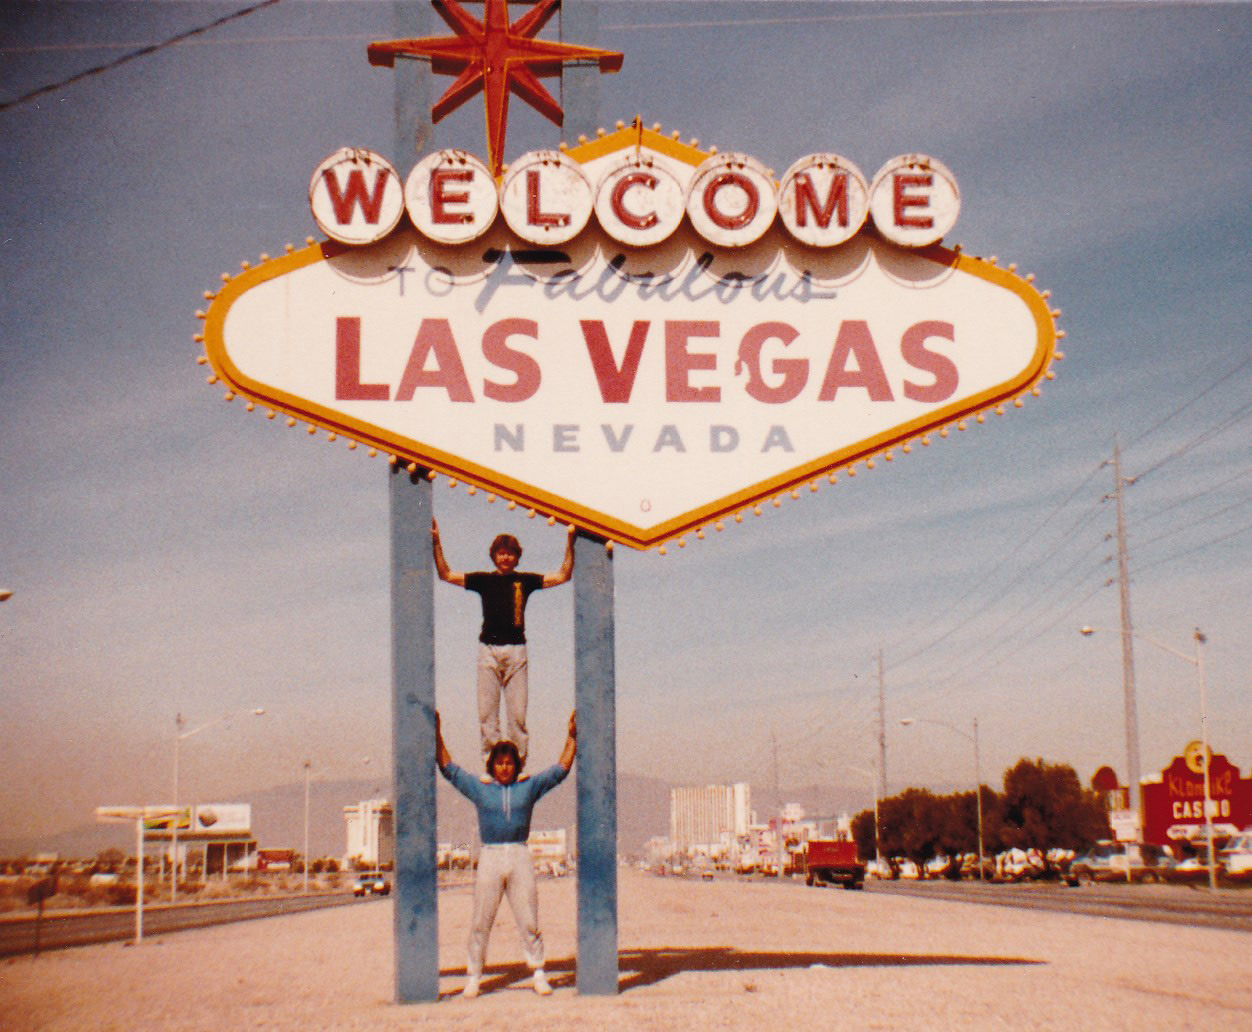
pixel 416 921
pixel 595 696
pixel 594 667
pixel 416 927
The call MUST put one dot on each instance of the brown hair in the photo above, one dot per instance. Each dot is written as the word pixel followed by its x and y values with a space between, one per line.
pixel 504 746
pixel 505 543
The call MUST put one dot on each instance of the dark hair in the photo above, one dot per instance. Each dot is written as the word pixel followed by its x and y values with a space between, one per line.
pixel 505 543
pixel 504 746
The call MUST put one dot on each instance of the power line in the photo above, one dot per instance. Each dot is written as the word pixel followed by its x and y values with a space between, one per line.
pixel 1203 438
pixel 1186 405
pixel 978 673
pixel 913 13
pixel 143 51
pixel 1174 531
pixel 1191 498
pixel 1192 551
pixel 1009 555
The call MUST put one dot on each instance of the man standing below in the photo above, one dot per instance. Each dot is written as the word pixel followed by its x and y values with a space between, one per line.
pixel 502 663
pixel 504 804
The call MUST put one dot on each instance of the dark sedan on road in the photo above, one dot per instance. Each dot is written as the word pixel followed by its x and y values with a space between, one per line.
pixel 371 885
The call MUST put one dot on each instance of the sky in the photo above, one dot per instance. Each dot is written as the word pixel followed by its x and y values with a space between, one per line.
pixel 170 554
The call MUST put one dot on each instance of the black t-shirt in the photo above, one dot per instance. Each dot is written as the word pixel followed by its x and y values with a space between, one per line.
pixel 504 598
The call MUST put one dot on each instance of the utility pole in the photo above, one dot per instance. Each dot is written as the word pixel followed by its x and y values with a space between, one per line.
pixel 778 836
pixel 882 734
pixel 1128 653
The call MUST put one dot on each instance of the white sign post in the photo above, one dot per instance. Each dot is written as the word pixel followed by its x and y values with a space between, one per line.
pixel 140 815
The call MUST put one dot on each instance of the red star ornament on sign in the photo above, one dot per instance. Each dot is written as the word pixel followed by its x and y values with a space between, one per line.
pixel 494 57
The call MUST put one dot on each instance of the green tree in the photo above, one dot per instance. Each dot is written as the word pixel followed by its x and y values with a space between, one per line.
pixel 1045 806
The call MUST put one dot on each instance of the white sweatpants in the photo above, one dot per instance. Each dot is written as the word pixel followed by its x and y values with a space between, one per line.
pixel 502 671
pixel 505 869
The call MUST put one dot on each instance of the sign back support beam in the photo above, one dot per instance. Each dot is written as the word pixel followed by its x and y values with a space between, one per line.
pixel 416 889
pixel 416 927
pixel 596 698
pixel 594 668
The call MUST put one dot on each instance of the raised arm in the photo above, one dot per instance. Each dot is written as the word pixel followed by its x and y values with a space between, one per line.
pixel 442 756
pixel 571 743
pixel 551 580
pixel 441 564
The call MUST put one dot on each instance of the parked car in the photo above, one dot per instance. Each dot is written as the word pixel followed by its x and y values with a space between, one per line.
pixel 371 884
pixel 1193 869
pixel 1120 861
pixel 1236 857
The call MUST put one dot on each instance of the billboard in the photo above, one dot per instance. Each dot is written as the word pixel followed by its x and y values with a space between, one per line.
pixel 203 822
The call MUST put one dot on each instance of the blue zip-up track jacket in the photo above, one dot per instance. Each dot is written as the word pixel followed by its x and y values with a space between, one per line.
pixel 504 810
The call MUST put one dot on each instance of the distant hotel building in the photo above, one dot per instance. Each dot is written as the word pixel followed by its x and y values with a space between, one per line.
pixel 709 820
pixel 371 834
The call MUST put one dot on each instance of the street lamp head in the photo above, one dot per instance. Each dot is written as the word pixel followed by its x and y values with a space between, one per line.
pixel 1087 632
pixel 5 594
pixel 906 721
pixel 259 712
pixel 1201 637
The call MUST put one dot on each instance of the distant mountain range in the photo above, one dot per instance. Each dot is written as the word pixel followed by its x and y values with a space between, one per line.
pixel 278 816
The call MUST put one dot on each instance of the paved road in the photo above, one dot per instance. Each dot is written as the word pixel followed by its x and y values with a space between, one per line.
pixel 1173 904
pixel 63 929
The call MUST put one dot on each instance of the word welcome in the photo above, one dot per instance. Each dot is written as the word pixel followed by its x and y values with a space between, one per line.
pixel 545 197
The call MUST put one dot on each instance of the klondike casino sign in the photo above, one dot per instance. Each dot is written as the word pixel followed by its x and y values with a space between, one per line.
pixel 632 335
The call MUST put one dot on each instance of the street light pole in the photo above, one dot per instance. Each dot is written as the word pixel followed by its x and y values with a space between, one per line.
pixel 906 721
pixel 179 735
pixel 873 780
pixel 1198 663
pixel 306 827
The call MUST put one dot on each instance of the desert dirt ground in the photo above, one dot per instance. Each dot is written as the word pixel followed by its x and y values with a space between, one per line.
pixel 706 955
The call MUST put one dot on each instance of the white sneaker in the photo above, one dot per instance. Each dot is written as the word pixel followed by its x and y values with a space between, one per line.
pixel 471 988
pixel 541 983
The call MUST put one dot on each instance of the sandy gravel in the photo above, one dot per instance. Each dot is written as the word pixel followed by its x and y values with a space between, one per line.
pixel 702 955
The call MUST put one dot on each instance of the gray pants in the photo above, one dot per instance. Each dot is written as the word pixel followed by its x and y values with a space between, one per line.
pixel 505 869
pixel 502 671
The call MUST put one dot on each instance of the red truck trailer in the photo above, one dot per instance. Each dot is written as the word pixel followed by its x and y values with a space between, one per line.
pixel 833 862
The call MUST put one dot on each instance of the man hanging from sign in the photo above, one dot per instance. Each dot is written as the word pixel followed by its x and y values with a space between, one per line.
pixel 502 659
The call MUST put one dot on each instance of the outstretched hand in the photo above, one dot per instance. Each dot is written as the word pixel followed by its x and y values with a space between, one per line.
pixel 571 743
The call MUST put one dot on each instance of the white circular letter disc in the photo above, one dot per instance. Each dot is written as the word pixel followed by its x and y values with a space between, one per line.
pixel 451 197
pixel 356 196
pixel 823 200
pixel 546 198
pixel 914 200
pixel 731 200
pixel 639 203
